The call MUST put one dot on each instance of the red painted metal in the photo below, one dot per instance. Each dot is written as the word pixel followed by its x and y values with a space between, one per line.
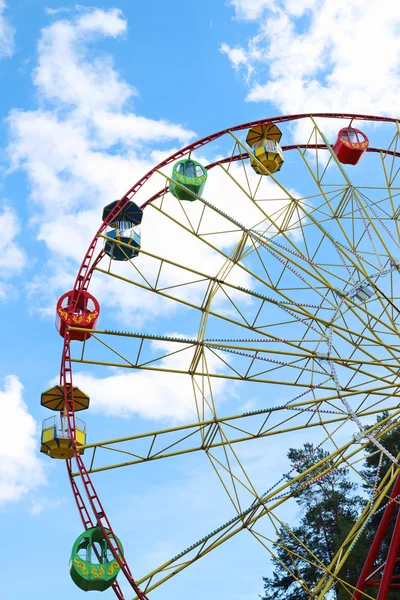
pixel 245 155
pixel 81 279
pixel 367 572
pixel 84 314
pixel 376 582
pixel 391 560
pixel 80 287
pixel 93 498
pixel 87 521
pixel 350 145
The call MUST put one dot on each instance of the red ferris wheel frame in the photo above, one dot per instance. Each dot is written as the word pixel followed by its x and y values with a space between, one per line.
pixel 82 283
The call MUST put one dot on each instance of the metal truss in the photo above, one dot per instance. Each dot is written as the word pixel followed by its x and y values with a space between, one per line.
pixel 318 316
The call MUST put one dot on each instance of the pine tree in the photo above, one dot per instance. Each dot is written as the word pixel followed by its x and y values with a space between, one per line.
pixel 329 509
pixel 376 465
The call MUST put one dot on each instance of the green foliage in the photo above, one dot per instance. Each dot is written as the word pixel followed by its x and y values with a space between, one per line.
pixel 375 466
pixel 329 508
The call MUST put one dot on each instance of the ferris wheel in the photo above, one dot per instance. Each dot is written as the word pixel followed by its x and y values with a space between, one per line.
pixel 284 263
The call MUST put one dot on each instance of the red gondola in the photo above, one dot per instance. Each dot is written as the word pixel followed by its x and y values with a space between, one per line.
pixel 350 145
pixel 85 315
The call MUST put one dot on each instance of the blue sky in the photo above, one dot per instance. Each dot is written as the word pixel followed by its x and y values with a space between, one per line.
pixel 92 96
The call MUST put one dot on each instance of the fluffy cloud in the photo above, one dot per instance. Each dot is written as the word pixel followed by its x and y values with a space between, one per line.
pixel 12 257
pixel 41 504
pixel 67 149
pixel 250 10
pixel 92 84
pixel 85 146
pixel 321 56
pixel 239 58
pixel 165 396
pixel 82 149
pixel 6 33
pixel 20 469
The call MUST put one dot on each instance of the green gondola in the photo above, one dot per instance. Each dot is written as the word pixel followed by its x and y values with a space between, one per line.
pixel 192 175
pixel 87 572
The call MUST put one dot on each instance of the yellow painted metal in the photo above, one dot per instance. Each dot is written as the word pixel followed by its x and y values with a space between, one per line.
pixel 57 448
pixel 366 216
pixel 270 131
pixel 203 428
pixel 339 359
pixel 382 494
pixel 357 308
pixel 314 316
pixel 390 190
pixel 340 330
pixel 237 377
pixel 80 438
pixel 365 213
pixel 307 214
pixel 257 378
pixel 270 160
pixel 53 398
pixel 370 382
pixel 200 549
pixel 360 306
pixel 312 354
pixel 56 442
pixel 47 435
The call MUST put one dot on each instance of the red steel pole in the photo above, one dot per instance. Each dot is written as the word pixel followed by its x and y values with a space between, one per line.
pixel 380 534
pixel 390 561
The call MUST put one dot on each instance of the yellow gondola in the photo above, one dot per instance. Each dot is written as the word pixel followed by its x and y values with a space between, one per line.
pixel 264 139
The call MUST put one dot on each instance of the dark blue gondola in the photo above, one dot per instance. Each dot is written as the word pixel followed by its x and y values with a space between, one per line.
pixel 123 229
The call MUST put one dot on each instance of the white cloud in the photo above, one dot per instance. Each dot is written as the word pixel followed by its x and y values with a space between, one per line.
pixel 164 396
pixel 336 57
pixel 87 149
pixel 64 72
pixel 6 33
pixel 155 396
pixel 113 128
pixel 67 147
pixel 251 9
pixel 69 154
pixel 12 256
pixel 44 503
pixel 56 11
pixel 20 468
pixel 239 58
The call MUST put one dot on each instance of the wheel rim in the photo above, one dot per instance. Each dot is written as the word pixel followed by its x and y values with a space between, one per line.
pixel 324 360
